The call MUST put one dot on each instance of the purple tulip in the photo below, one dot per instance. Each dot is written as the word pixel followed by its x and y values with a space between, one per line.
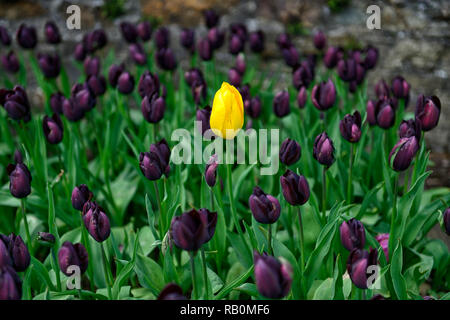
pixel 284 41
pixel 403 153
pixel 95 40
pixel 26 36
pixel 446 218
pixel 10 284
pixel 10 62
pixel 80 195
pixel 383 240
pixel 162 38
pixel 16 103
pixel 83 97
pixel 302 96
pixel 332 56
pixel 56 102
pixel 382 89
pixel 347 69
pixel 264 207
pixel 187 39
pixel 129 32
pixel 291 56
pixel 205 49
pixel 114 73
pixel 353 234
pixel 171 291
pixel 290 152
pixel 125 83
pixel 18 252
pixel 240 64
pixel 400 89
pixel 323 150
pixel 253 107
pixel 91 66
pixel 302 76
pixel 72 255
pixel 236 44
pixel 281 106
pixel 199 89
pixel 19 180
pixel 53 128
pixel 234 77
pixel 409 128
pixel 165 58
pixel 211 18
pixel 71 110
pixel 52 33
pixel 256 40
pixel 137 54
pixel 385 112
pixel 153 108
pixel 371 58
pixel 80 52
pixel 144 30
pixel 96 221
pixel 323 95
pixel 295 188
pixel 428 110
pixel 216 37
pixel 5 38
pixel 193 75
pixel 148 84
pixel 320 41
pixel 46 238
pixel 273 279
pixel 211 171
pixel 357 264
pixel 50 65
pixel 155 163
pixel 350 127
pixel 97 84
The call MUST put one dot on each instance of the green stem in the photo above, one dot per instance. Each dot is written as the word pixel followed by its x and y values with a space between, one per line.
pixel 269 239
pixel 194 286
pixel 85 239
pixel 158 200
pixel 406 182
pixel 211 198
pixel 205 274
pixel 302 248
pixel 349 183
pixel 324 194
pixel 106 271
pixel 27 228
pixel 56 268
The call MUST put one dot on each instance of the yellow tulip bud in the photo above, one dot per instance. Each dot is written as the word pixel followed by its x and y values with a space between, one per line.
pixel 227 115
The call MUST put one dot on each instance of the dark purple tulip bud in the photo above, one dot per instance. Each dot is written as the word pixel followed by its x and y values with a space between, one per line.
pixel 114 73
pixel 199 91
pixel 162 36
pixel 91 66
pixel 10 284
pixel 377 297
pixel 50 65
pixel 10 62
pixel 240 30
pixel 290 152
pixel 302 76
pixel 148 84
pixel 400 89
pixel 137 54
pixel 16 103
pixel 240 64
pixel 360 74
pixel 52 33
pixel 18 251
pixel 97 84
pixel 72 255
pixel 171 291
pixel 347 69
pixel 80 52
pixel 187 39
pixel 371 58
pixel 256 40
pixel 205 49
pixel 162 150
pixel 409 128
pixel 320 41
pixel 350 127
pixel 193 229
pixel 216 38
pixel 323 150
pixel 236 44
pixel 5 257
pixel 253 107
pixel 193 75
pixel 295 188
pixel 284 41
pixel 95 40
pixel 166 59
pixel 382 89
pixel 144 30
pixel 302 97
pixel 129 32
pixel 370 110
pixel 5 38
pixel 265 208
pixel 19 180
pixel 249 124
pixel 203 116
pixel 153 108
pixel 383 240
pixel 153 165
pixel 428 110
pixel 353 234
pixel 56 102
pixel 273 279
pixel 323 95
pixel 385 113
pixel 244 90
pixel 125 83
pixel 53 128
pixel 403 153
pixel 46 238
pixel 71 110
pixel 211 18
pixel 234 77
pixel 357 264
pixel 83 97
pixel 26 36
pixel 211 171
pixel 96 221
pixel 446 219
pixel 332 56
pixel 281 106
pixel 291 56
pixel 80 195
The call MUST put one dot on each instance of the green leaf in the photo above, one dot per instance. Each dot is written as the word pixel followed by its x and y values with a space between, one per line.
pixel 124 273
pixel 396 272
pixel 235 283
pixel 42 272
pixel 150 274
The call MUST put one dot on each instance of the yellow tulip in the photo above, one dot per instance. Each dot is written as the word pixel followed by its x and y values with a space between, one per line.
pixel 227 115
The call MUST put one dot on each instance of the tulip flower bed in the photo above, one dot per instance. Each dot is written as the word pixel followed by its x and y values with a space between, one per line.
pixel 94 206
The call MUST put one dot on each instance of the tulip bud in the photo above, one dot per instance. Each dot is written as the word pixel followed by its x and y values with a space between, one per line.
pixel 129 32
pixel 49 64
pixel 302 76
pixel 256 40
pixel 137 54
pixel 323 150
pixel 403 153
pixel 193 75
pixel 19 180
pixel 162 36
pixel 227 115
pixel 383 240
pixel 187 39
pixel 234 77
pixel 332 56
pixel 96 221
pixel 290 152
pixel 10 284
pixel 353 235
pixel 381 89
pixel 83 97
pixel 244 90
pixel 211 171
pixel 240 30
pixel 199 91
pixel 52 33
pixel 400 89
pixel 5 38
pixel 377 297
pixel 71 110
pixel 16 103
pixel 10 62
pixel 291 56
pixel 302 96
pixel 153 108
pixel 171 291
pixel 53 128
pixel 91 66
pixel 80 195
pixel 253 107
pixel 95 40
pixel 385 113
pixel 203 115
pixel 97 84
pixel 211 18
pixel 205 49
pixel 216 38
pixel 80 52
pixel 155 163
pixel 5 258
pixel 114 73
pixel 347 69
pixel 350 127
pixel 56 102
pixel 144 30
pixel 265 208
pixel 240 64
pixel 46 238
pixel 193 229
pixel 26 36
pixel 166 59
pixel 357 264
pixel 72 255
pixel 428 110
pixel 148 84
pixel 273 279
pixel 371 58
pixel 320 41
pixel 284 41
pixel 323 95
pixel 162 150
pixel 446 219
pixel 18 251
pixel 236 44
pixel 125 83
pixel 281 106
pixel 409 128
pixel 295 188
